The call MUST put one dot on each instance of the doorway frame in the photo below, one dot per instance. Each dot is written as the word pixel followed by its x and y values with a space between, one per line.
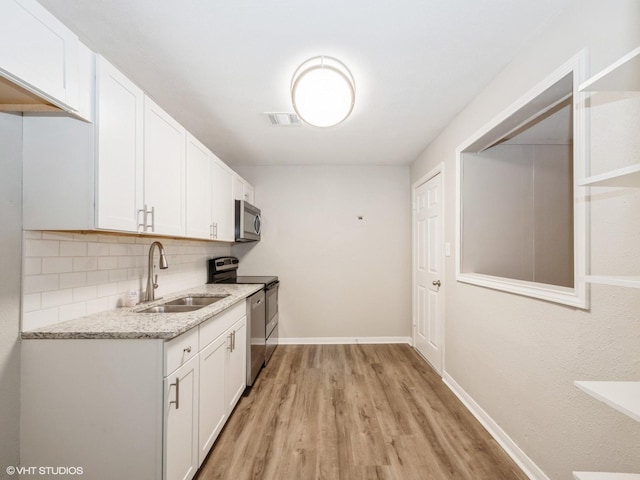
pixel 439 169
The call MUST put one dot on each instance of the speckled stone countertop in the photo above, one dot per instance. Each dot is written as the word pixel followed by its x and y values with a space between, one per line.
pixel 127 323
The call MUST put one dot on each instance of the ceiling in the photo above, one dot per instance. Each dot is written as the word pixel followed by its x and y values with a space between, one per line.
pixel 218 66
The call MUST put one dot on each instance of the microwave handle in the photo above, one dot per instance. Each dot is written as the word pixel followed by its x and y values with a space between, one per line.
pixel 257 224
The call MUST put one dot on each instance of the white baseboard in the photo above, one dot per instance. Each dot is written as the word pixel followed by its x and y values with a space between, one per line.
pixel 341 340
pixel 527 465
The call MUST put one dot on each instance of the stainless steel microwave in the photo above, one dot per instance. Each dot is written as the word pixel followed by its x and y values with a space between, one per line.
pixel 248 222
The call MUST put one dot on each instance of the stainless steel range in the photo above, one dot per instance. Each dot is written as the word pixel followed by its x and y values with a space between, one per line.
pixel 262 317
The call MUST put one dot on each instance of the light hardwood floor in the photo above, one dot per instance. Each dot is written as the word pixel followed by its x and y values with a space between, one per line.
pixel 353 412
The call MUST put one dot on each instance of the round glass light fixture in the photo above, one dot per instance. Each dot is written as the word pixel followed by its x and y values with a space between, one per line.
pixel 323 91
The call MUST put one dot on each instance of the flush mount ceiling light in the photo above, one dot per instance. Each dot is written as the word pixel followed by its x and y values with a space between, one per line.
pixel 323 91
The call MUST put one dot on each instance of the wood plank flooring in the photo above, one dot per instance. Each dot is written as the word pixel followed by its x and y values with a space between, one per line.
pixel 353 412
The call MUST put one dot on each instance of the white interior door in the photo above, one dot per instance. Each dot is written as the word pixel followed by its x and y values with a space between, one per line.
pixel 427 271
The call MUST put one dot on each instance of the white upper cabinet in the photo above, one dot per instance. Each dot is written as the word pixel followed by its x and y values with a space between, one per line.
pixel 119 121
pixel 198 189
pixel 164 160
pixel 222 202
pixel 242 190
pixel 38 53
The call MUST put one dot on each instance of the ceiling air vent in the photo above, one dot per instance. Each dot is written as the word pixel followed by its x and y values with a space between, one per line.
pixel 283 119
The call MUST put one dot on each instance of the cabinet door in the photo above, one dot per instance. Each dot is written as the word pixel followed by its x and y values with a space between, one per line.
pixel 236 378
pixel 198 189
pixel 213 406
pixel 38 52
pixel 119 114
pixel 222 202
pixel 242 190
pixel 181 422
pixel 164 153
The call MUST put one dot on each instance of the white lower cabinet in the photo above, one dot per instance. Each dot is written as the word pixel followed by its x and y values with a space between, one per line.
pixel 147 409
pixel 181 422
pixel 222 381
pixel 235 380
pixel 213 405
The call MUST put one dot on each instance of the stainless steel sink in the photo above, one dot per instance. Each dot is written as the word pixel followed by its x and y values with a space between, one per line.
pixel 171 308
pixel 194 300
pixel 184 304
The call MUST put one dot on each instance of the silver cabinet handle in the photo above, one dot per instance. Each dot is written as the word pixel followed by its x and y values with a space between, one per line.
pixel 436 283
pixel 142 226
pixel 211 235
pixel 188 349
pixel 153 219
pixel 234 340
pixel 230 347
pixel 177 400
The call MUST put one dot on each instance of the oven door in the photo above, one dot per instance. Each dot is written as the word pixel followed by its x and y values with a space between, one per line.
pixel 272 319
pixel 272 342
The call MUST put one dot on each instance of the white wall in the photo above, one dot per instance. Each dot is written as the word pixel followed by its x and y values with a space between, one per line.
pixel 10 263
pixel 517 357
pixel 517 220
pixel 340 276
pixel 68 275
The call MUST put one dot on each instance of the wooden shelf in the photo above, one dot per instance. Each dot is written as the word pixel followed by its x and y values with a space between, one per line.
pixel 632 281
pixel 621 76
pixel 605 476
pixel 622 177
pixel 623 396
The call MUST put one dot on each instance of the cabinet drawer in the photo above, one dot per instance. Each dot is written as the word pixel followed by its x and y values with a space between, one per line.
pixel 217 325
pixel 180 349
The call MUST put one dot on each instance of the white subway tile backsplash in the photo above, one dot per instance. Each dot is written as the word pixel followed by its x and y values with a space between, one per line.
pixel 40 283
pixel 85 264
pixel 108 238
pixel 107 263
pixel 118 275
pixel 32 266
pixel 95 249
pixel 41 248
pixel 31 302
pixel 97 277
pixel 68 275
pixel 57 265
pixel 107 289
pixel 70 280
pixel 32 234
pixel 56 298
pixel 85 293
pixel 73 249
pixel 118 249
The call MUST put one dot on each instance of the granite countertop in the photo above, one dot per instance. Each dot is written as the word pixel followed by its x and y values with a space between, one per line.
pixel 127 323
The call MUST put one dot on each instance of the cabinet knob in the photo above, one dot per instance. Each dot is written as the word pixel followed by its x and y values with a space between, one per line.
pixel 188 349
pixel 436 283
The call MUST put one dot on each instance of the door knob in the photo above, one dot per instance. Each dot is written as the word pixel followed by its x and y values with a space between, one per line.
pixel 436 283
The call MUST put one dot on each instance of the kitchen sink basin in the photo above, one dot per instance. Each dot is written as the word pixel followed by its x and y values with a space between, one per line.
pixel 171 308
pixel 195 301
pixel 184 304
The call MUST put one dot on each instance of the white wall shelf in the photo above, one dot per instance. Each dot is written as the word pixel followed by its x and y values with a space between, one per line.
pixel 605 476
pixel 632 281
pixel 621 76
pixel 622 396
pixel 622 177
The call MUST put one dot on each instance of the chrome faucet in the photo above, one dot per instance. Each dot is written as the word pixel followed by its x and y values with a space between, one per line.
pixel 152 283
